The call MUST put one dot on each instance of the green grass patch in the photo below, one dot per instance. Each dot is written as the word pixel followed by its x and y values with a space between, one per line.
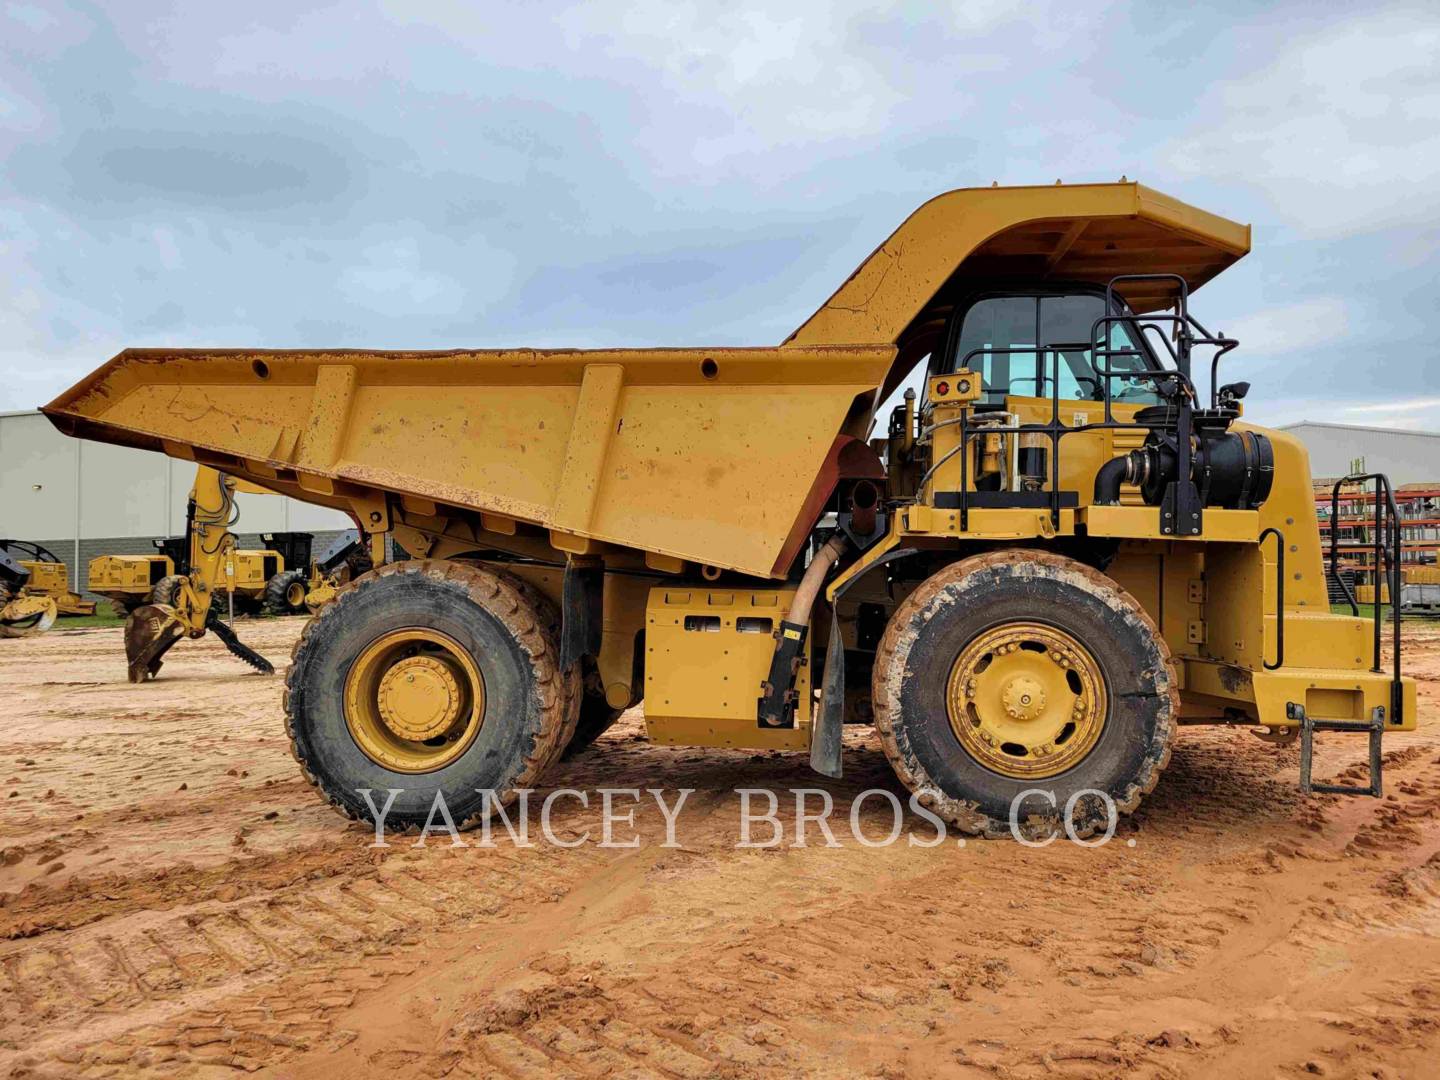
pixel 103 617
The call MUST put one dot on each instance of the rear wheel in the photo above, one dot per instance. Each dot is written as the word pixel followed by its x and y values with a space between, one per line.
pixel 425 676
pixel 285 593
pixel 1021 680
pixel 165 591
pixel 549 613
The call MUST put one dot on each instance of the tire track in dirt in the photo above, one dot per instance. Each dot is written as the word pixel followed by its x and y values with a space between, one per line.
pixel 1248 930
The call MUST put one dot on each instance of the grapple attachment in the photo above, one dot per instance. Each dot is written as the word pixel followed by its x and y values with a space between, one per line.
pixel 27 615
pixel 153 629
pixel 150 631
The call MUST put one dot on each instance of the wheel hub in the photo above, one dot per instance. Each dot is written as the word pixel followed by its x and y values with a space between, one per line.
pixel 419 698
pixel 414 700
pixel 1026 700
pixel 1023 697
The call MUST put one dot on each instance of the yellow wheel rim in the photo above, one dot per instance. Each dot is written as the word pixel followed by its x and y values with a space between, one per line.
pixel 1026 700
pixel 295 594
pixel 414 700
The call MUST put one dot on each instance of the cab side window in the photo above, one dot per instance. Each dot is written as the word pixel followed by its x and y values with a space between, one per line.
pixel 995 325
pixel 1000 335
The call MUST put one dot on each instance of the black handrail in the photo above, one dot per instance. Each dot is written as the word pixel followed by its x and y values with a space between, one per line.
pixel 1387 555
pixel 1279 597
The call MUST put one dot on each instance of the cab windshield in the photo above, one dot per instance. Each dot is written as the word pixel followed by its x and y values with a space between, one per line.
pixel 1008 329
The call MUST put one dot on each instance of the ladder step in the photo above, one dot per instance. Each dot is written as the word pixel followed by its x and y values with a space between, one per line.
pixel 1308 726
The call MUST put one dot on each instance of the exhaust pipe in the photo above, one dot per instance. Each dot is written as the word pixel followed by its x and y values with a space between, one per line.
pixel 777 698
pixel 864 499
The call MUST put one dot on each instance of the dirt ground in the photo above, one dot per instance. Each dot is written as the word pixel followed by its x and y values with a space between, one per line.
pixel 176 901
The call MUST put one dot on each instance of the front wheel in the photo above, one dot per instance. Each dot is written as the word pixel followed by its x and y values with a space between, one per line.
pixel 1013 684
pixel 426 676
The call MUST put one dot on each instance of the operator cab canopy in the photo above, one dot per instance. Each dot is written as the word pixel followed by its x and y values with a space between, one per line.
pixel 975 243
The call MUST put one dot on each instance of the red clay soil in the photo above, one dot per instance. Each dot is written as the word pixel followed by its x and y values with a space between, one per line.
pixel 176 901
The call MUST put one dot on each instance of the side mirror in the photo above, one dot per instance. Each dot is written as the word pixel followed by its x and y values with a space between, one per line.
pixel 1235 391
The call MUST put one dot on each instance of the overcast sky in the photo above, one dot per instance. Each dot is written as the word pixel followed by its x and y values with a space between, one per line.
pixel 656 172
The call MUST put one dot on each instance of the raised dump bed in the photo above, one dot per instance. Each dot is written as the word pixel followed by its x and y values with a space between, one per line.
pixel 1028 575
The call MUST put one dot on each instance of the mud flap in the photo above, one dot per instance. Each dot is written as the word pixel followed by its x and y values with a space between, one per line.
pixel 582 613
pixel 829 725
pixel 825 734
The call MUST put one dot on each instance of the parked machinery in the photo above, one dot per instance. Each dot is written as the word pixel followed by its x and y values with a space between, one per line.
pixel 185 604
pixel 48 576
pixel 128 581
pixel 1055 554
pixel 344 559
pixel 22 613
pixel 285 591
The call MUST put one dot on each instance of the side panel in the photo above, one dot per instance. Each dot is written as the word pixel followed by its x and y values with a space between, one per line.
pixel 705 455
pixel 707 650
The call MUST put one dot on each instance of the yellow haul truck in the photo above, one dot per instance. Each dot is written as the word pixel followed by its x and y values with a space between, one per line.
pixel 1037 568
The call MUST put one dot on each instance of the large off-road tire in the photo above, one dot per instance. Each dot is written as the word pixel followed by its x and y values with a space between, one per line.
pixel 596 715
pixel 164 591
pixel 549 613
pixel 443 624
pixel 285 593
pixel 1021 670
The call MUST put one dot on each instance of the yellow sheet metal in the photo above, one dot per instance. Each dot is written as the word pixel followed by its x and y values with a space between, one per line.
pixel 1065 232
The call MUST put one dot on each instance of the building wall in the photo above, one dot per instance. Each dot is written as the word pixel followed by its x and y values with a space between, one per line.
pixel 81 499
pixel 1408 457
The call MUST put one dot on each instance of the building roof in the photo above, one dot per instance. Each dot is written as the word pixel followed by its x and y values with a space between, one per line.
pixel 1359 427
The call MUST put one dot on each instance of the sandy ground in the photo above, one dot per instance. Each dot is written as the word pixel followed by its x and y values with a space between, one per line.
pixel 175 901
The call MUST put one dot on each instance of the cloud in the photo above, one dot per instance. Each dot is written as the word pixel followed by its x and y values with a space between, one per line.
pixel 1340 128
pixel 433 173
pixel 392 279
pixel 1291 328
pixel 225 163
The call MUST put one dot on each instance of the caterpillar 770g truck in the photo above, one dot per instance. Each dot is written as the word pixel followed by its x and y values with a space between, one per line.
pixel 1033 571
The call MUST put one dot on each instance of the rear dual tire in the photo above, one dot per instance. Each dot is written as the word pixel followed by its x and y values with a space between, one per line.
pixel 484 640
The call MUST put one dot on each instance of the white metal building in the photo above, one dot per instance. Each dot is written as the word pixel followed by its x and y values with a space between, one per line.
pixel 1408 457
pixel 81 499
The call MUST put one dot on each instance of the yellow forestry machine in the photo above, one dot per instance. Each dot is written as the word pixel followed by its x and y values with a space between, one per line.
pixel 187 599
pixel 31 574
pixel 23 612
pixel 1032 574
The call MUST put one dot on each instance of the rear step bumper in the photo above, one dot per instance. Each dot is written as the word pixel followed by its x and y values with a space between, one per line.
pixel 1326 694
